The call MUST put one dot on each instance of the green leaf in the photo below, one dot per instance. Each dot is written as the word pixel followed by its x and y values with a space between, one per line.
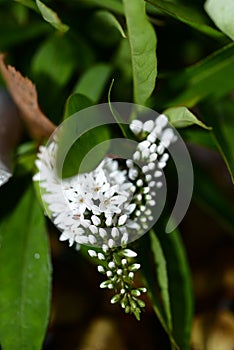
pixel 28 3
pixel 211 77
pixel 180 287
pixel 149 275
pixel 213 200
pixel 24 276
pixel 142 38
pixel 56 59
pixel 93 81
pixel 82 136
pixel 219 114
pixel 188 15
pixel 111 5
pixel 111 20
pixel 222 13
pixel 51 17
pixel 76 103
pixel 161 268
pixel 199 137
pixel 16 35
pixel 181 117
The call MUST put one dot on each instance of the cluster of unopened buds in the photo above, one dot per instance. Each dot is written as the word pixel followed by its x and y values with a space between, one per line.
pixel 111 206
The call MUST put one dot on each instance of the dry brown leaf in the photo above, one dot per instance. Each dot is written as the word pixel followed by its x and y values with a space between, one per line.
pixel 24 94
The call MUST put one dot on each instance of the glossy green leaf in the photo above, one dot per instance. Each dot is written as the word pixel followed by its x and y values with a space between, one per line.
pixel 24 276
pixel 222 13
pixel 187 14
pixel 56 59
pixel 76 103
pixel 161 268
pixel 212 77
pixel 142 39
pixel 110 20
pixel 180 287
pixel 93 81
pixel 181 117
pixel 219 114
pixel 51 17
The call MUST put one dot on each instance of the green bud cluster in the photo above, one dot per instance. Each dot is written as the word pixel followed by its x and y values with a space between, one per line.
pixel 119 267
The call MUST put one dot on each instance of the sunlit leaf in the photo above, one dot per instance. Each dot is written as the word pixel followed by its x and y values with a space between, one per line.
pixel 222 13
pixel 24 276
pixel 142 40
pixel 187 14
pixel 181 117
pixel 51 17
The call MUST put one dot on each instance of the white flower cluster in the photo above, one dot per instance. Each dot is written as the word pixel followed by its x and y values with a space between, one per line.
pixel 110 206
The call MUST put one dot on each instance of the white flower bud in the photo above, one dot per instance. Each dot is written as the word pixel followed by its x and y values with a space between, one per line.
pixel 105 248
pixel 111 265
pixel 102 233
pixel 151 166
pixel 124 262
pixel 92 239
pixel 92 253
pixel 122 219
pixel 134 267
pixel 101 256
pixel 136 126
pixel 152 137
pixel 105 284
pixel 148 177
pixel 101 269
pixel 95 220
pixel 115 232
pixel 111 243
pixel 161 120
pixel 136 155
pixel 158 173
pixel 109 221
pixel 148 125
pixel 139 183
pixel 109 273
pixel 129 253
pixel 115 299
